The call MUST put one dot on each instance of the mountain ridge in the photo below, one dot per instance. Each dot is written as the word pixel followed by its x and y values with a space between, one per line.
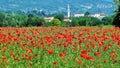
pixel 59 6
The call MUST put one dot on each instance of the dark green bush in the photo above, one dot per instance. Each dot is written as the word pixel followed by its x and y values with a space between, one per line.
pixel 116 20
pixel 2 17
pixel 34 20
pixel 95 21
pixel 107 20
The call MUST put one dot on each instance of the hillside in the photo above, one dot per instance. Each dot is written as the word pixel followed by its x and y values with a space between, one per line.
pixel 53 6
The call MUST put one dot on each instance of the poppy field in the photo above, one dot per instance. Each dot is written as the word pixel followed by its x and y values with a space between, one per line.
pixel 60 47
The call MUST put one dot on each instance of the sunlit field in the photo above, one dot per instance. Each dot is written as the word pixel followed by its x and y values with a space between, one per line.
pixel 60 47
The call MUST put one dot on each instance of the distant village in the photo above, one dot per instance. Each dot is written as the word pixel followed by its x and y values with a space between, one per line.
pixel 43 18
pixel 67 18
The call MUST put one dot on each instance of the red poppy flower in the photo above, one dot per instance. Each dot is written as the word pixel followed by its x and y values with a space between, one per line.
pixel 30 50
pixel 113 56
pixel 89 57
pixel 55 63
pixel 84 52
pixel 4 58
pixel 104 61
pixel 62 54
pixel 86 56
pixel 36 55
pixel 26 56
pixel 79 62
pixel 50 51
pixel 105 48
pixel 115 61
pixel 15 58
pixel 11 52
pixel 83 56
pixel 30 57
pixel 97 54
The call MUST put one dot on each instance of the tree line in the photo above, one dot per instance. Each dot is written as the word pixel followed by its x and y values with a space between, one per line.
pixel 30 20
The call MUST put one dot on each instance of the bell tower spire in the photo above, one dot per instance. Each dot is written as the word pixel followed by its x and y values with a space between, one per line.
pixel 68 11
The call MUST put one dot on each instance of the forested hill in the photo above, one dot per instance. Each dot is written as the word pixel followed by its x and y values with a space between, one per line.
pixel 53 6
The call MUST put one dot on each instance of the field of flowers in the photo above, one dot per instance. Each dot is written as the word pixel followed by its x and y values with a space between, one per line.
pixel 60 47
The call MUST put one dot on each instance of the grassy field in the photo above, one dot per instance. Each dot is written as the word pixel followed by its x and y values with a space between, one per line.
pixel 60 47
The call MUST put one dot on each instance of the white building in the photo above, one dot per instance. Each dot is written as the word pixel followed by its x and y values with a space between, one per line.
pixel 78 15
pixel 98 15
pixel 94 15
pixel 48 19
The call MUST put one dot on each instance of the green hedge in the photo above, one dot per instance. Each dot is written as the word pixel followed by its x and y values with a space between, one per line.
pixel 85 21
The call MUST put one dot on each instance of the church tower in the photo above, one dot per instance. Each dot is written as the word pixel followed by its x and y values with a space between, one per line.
pixel 68 11
pixel 67 18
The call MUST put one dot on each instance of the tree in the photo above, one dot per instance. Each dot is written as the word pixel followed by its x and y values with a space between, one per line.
pixel 39 21
pixel 116 20
pixel 60 17
pixel 2 17
pixel 74 22
pixel 117 2
pixel 87 13
pixel 95 21
pixel 10 21
pixel 55 22
pixel 34 20
pixel 31 20
pixel 107 20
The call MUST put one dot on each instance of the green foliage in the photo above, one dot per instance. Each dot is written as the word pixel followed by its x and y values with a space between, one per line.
pixel 55 22
pixel 34 20
pixel 117 2
pixel 39 21
pixel 60 17
pixel 74 21
pixel 10 22
pixel 95 21
pixel 2 17
pixel 85 21
pixel 47 24
pixel 116 20
pixel 107 20
pixel 87 13
pixel 17 19
pixel 64 24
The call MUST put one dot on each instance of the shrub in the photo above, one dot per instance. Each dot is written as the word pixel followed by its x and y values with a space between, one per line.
pixel 55 22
